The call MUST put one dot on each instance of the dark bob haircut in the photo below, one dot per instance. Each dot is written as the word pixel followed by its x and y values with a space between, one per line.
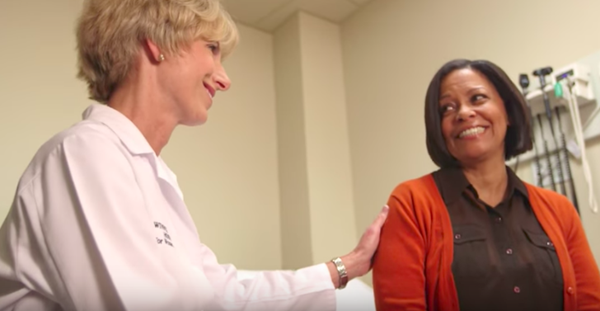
pixel 518 133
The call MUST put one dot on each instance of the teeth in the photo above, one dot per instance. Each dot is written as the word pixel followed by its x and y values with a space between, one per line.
pixel 209 94
pixel 471 131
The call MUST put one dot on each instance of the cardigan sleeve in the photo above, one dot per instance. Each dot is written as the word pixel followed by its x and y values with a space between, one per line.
pixel 587 275
pixel 398 266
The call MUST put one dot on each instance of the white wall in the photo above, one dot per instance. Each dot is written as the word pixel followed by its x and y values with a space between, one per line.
pixel 297 247
pixel 227 168
pixel 327 139
pixel 315 174
pixel 393 48
pixel 39 94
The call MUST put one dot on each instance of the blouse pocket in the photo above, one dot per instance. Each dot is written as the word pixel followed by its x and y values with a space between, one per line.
pixel 471 256
pixel 546 261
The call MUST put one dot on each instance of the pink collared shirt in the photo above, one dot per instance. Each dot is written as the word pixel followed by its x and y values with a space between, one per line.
pixel 99 223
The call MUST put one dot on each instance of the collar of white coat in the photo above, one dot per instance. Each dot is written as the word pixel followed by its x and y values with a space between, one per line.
pixel 131 137
pixel 127 132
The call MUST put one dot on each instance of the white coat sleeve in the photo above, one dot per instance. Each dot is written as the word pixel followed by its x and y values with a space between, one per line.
pixel 307 289
pixel 77 233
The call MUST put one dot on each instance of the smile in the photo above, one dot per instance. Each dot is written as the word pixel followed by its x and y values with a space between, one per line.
pixel 474 131
pixel 209 90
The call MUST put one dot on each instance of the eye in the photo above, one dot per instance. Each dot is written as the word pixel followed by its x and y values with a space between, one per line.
pixel 445 108
pixel 478 98
pixel 214 47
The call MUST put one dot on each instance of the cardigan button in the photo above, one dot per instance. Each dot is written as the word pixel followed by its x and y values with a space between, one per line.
pixel 570 290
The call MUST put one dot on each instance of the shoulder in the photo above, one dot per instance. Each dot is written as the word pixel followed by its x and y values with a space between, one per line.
pixel 89 132
pixel 420 187
pixel 556 207
pixel 548 199
pixel 416 198
pixel 417 211
pixel 85 139
pixel 82 152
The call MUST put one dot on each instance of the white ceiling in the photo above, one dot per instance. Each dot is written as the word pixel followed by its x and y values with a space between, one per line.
pixel 267 15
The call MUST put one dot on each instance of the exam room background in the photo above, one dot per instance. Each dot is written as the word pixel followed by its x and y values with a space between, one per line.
pixel 323 120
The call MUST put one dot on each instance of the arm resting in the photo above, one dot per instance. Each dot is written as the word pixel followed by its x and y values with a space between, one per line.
pixel 399 265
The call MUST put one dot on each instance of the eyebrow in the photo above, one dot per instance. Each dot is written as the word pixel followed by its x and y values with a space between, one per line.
pixel 476 88
pixel 471 90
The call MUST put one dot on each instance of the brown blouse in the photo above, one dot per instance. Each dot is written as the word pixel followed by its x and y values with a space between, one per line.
pixel 503 259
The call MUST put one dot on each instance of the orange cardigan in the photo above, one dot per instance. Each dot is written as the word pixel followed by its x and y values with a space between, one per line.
pixel 412 267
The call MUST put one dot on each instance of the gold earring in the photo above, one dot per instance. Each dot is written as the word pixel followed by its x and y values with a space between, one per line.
pixel 161 58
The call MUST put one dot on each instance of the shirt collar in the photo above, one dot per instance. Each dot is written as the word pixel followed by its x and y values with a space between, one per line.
pixel 128 133
pixel 516 182
pixel 454 183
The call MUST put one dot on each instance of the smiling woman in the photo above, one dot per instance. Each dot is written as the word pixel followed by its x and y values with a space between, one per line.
pixel 189 39
pixel 480 82
pixel 472 234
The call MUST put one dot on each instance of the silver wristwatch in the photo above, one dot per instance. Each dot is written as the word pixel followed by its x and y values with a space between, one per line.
pixel 341 269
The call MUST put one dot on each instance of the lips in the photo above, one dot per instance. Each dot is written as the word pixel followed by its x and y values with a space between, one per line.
pixel 210 90
pixel 471 131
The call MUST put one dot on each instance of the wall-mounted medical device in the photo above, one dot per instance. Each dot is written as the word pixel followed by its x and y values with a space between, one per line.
pixel 558 125
pixel 580 77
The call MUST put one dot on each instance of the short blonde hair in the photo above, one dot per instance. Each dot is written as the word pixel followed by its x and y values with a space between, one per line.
pixel 109 33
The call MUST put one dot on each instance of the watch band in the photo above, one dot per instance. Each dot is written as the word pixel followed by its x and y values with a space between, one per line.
pixel 341 269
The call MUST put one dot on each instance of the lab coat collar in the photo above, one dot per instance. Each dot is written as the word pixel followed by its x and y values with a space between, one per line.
pixel 127 132
pixel 132 139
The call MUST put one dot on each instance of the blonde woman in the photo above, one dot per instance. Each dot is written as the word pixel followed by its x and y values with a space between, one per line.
pixel 98 221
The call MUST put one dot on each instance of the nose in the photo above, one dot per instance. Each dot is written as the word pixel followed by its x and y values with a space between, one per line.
pixel 221 79
pixel 465 111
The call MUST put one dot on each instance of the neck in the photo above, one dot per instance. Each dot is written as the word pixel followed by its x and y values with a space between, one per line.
pixel 138 103
pixel 489 179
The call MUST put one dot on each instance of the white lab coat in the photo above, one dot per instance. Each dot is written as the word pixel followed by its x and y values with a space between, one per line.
pixel 98 222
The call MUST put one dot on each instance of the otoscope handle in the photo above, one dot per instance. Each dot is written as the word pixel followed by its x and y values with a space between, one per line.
pixel 524 83
pixel 548 109
pixel 548 158
pixel 568 167
pixel 540 181
pixel 566 152
pixel 540 178
pixel 541 74
pixel 550 170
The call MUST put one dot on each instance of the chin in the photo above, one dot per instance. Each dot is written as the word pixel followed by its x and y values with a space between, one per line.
pixel 196 117
pixel 198 122
pixel 473 157
pixel 195 121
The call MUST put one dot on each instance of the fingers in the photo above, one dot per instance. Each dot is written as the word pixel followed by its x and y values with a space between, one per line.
pixel 380 220
pixel 373 231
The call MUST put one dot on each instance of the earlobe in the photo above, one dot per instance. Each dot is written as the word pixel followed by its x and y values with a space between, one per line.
pixel 153 51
